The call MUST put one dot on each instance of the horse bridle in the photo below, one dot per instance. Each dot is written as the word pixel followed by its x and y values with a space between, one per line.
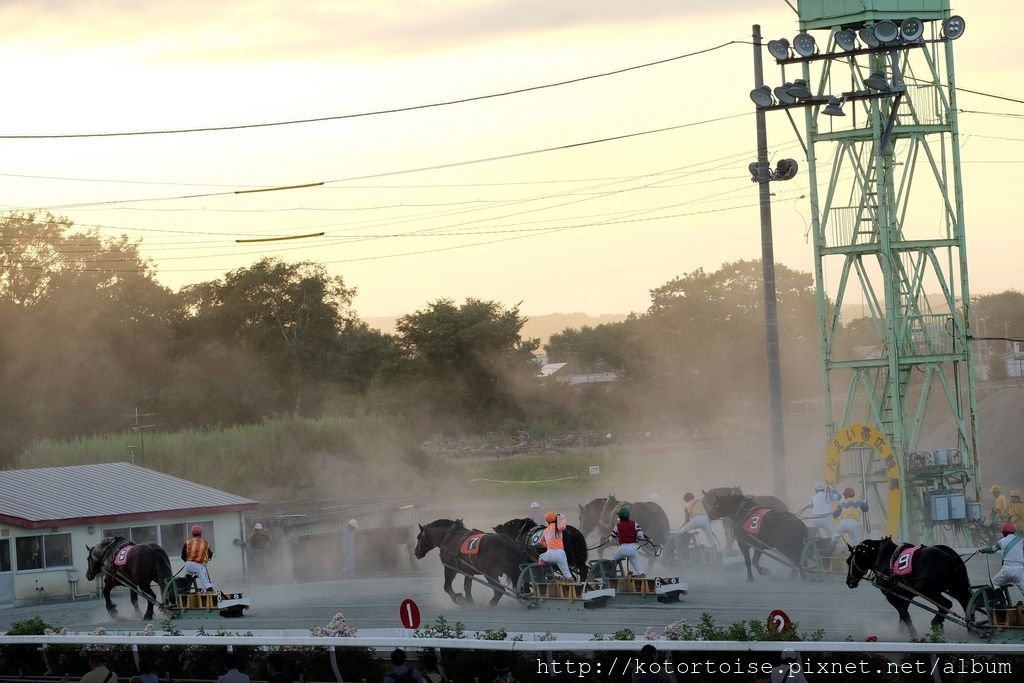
pixel 868 574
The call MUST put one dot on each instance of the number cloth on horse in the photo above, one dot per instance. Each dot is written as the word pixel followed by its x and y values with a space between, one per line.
pixel 903 560
pixel 470 544
pixel 121 558
pixel 752 525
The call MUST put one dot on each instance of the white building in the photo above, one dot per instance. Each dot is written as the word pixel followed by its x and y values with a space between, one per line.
pixel 48 516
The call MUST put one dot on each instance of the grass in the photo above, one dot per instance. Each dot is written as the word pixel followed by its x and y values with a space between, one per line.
pixel 552 473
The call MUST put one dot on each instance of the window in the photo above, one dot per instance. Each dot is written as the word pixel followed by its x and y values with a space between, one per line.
pixel 144 534
pixel 172 537
pixel 168 536
pixel 5 555
pixel 43 552
pixel 123 533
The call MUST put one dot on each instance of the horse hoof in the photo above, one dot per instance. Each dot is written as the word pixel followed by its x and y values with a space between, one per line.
pixel 750 579
pixel 762 571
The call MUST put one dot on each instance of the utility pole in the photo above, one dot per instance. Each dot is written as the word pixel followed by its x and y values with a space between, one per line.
pixel 771 311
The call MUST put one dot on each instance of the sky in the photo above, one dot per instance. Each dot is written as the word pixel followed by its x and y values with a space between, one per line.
pixel 406 219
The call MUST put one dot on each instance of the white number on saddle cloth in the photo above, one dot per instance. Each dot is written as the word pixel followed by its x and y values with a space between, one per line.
pixel 903 562
pixel 755 521
pixel 121 559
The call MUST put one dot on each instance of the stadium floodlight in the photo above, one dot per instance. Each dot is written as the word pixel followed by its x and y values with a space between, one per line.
pixel 804 45
pixel 886 32
pixel 876 81
pixel 834 108
pixel 799 90
pixel 762 96
pixel 912 29
pixel 779 49
pixel 953 27
pixel 847 39
pixel 867 36
pixel 782 94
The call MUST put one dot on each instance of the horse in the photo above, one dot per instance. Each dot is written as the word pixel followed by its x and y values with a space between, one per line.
pixel 137 567
pixel 600 514
pixel 765 501
pixel 521 531
pixel 934 570
pixel 491 555
pixel 777 529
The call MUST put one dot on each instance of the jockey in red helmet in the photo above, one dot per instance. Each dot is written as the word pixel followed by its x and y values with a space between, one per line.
pixel 195 554
pixel 849 516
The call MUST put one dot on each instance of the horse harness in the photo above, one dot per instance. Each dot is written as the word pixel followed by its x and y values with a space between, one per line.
pixel 458 556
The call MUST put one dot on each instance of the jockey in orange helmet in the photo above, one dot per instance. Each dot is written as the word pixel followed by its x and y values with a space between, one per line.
pixel 195 554
pixel 553 540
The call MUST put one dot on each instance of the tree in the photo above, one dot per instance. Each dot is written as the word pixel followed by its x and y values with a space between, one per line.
pixel 463 361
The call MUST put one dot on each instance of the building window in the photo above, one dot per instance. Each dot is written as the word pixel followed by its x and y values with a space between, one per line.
pixel 170 537
pixel 144 534
pixel 5 555
pixel 48 551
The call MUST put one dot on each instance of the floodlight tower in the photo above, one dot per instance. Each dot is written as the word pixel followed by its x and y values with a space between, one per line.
pixel 888 226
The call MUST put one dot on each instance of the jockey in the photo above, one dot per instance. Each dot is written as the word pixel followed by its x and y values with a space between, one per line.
pixel 821 508
pixel 627 533
pixel 697 518
pixel 1000 508
pixel 1013 558
pixel 195 554
pixel 1016 509
pixel 849 517
pixel 553 540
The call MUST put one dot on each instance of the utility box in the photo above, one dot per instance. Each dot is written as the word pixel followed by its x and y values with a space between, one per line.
pixel 973 510
pixel 939 507
pixel 957 506
pixel 818 14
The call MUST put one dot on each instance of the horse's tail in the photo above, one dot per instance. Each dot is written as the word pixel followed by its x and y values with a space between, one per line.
pixel 576 549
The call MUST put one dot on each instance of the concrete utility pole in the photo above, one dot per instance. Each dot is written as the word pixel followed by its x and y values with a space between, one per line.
pixel 139 429
pixel 771 311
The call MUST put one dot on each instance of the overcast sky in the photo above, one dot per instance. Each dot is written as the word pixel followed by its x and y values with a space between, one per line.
pixel 631 213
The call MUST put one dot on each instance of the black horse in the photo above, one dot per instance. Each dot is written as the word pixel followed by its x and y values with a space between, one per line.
pixel 600 514
pixel 491 555
pixel 142 565
pixel 522 531
pixel 765 501
pixel 934 570
pixel 778 530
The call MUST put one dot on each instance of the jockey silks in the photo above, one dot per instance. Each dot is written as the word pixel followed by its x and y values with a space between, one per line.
pixel 196 550
pixel 552 537
pixel 627 531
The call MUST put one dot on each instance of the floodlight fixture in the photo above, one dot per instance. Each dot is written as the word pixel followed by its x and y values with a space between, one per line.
pixel 867 36
pixel 834 107
pixel 785 170
pixel 804 45
pixel 912 29
pixel 886 32
pixel 755 176
pixel 762 96
pixel 799 90
pixel 847 39
pixel 779 49
pixel 782 94
pixel 953 27
pixel 876 81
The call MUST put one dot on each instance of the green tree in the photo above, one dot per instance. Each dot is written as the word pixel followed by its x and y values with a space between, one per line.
pixel 462 361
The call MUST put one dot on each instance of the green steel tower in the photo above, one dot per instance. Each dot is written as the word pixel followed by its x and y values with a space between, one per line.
pixel 876 85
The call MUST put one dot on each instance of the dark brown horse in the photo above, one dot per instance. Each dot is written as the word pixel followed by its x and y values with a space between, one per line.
pixel 490 555
pixel 934 570
pixel 778 531
pixel 525 532
pixel 142 565
pixel 600 514
pixel 767 501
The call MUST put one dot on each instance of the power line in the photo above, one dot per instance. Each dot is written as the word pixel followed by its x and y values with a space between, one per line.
pixel 339 117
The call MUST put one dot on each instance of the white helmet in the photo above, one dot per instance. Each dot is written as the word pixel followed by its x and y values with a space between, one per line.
pixel 353 523
pixel 789 653
pixel 819 486
pixel 534 505
pixel 258 527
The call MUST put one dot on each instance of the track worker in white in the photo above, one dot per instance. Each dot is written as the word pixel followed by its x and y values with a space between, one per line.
pixel 1013 558
pixel 628 533
pixel 553 539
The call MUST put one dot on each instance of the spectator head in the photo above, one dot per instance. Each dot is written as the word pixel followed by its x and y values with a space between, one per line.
pixel 648 654
pixel 789 654
pixel 398 656
pixel 275 662
pixel 230 661
pixel 96 658
pixel 429 662
pixel 145 665
pixel 135 679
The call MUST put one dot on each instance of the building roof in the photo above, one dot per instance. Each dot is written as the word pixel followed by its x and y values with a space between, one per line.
pixel 550 369
pixel 114 491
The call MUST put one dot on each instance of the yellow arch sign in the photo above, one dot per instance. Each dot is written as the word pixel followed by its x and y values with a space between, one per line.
pixel 860 434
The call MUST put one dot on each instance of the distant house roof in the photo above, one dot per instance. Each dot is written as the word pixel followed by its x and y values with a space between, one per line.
pixel 115 491
pixel 550 369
